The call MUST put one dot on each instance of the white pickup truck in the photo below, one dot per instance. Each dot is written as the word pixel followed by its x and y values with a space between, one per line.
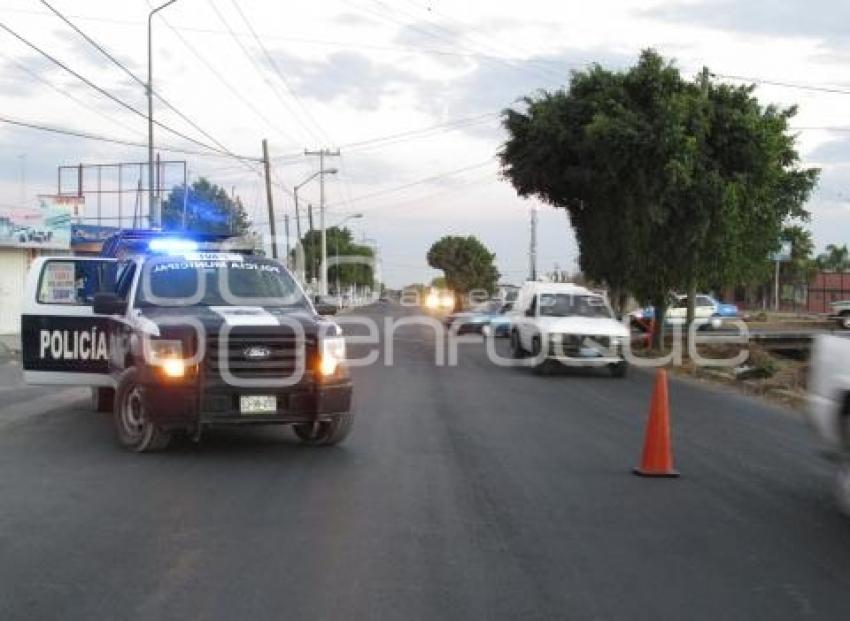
pixel 840 312
pixel 829 405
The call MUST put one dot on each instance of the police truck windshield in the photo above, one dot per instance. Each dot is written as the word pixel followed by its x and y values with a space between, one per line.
pixel 217 280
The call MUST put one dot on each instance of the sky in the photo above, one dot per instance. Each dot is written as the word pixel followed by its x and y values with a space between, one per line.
pixel 410 91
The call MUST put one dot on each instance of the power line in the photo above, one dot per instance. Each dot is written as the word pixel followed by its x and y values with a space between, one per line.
pixel 492 44
pixel 253 61
pixel 278 72
pixel 412 134
pixel 449 39
pixel 304 40
pixel 64 93
pixel 221 78
pixel 89 136
pixel 801 87
pixel 133 76
pixel 103 91
pixel 404 186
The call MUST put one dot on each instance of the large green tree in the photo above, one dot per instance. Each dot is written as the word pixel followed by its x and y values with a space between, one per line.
pixel 466 263
pixel 668 183
pixel 208 209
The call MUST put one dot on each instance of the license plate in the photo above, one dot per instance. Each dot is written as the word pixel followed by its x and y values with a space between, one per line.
pixel 257 404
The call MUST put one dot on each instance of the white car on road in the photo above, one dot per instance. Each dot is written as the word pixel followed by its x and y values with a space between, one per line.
pixel 567 324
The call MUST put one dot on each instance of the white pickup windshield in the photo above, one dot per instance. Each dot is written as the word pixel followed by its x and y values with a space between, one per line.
pixel 217 280
pixel 573 305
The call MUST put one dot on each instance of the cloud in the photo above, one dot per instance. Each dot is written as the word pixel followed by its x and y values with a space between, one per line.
pixel 346 75
pixel 832 152
pixel 821 19
pixel 425 34
pixel 84 52
pixel 495 84
pixel 354 20
pixel 16 82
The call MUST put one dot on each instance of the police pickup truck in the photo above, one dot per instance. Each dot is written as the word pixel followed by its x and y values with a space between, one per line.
pixel 177 334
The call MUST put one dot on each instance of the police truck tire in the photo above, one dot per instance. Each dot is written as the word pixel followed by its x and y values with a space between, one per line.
pixel 133 428
pixel 325 433
pixel 102 399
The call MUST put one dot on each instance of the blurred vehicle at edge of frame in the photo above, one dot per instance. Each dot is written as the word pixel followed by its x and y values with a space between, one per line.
pixel 487 318
pixel 828 407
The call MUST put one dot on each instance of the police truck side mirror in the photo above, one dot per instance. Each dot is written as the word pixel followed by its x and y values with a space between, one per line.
pixel 325 309
pixel 108 304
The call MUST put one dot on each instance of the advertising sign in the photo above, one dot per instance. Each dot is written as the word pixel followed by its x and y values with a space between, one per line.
pixel 47 225
pixel 90 237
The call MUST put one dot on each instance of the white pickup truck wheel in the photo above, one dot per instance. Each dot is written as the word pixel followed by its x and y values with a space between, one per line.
pixel 844 320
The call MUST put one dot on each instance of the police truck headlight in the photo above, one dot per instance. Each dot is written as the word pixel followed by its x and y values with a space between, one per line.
pixel 331 355
pixel 167 354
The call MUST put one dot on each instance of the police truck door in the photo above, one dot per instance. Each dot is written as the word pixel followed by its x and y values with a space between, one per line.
pixel 62 340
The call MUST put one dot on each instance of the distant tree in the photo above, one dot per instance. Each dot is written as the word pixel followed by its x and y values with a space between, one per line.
pixel 208 207
pixel 801 266
pixel 466 263
pixel 439 282
pixel 340 243
pixel 835 259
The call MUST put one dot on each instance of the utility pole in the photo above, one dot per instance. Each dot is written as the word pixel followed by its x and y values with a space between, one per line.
pixel 532 250
pixel 286 232
pixel 322 153
pixel 297 214
pixel 269 200
pixel 310 217
pixel 153 210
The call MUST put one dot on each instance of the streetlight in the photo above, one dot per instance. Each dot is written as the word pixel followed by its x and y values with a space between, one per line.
pixel 322 172
pixel 154 210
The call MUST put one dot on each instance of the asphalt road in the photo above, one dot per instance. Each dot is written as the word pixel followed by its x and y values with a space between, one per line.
pixel 468 493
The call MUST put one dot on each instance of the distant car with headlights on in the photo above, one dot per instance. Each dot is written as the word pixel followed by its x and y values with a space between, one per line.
pixel 489 317
pixel 440 300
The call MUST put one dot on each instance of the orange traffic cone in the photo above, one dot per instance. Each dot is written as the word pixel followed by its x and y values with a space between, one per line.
pixel 657 459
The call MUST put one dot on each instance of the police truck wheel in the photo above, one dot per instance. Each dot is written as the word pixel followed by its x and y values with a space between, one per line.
pixel 325 433
pixel 133 428
pixel 102 399
pixel 844 321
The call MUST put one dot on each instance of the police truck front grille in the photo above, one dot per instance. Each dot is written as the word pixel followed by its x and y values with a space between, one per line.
pixel 257 356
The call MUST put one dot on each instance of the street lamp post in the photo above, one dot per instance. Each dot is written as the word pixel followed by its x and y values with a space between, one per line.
pixel 319 173
pixel 153 210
